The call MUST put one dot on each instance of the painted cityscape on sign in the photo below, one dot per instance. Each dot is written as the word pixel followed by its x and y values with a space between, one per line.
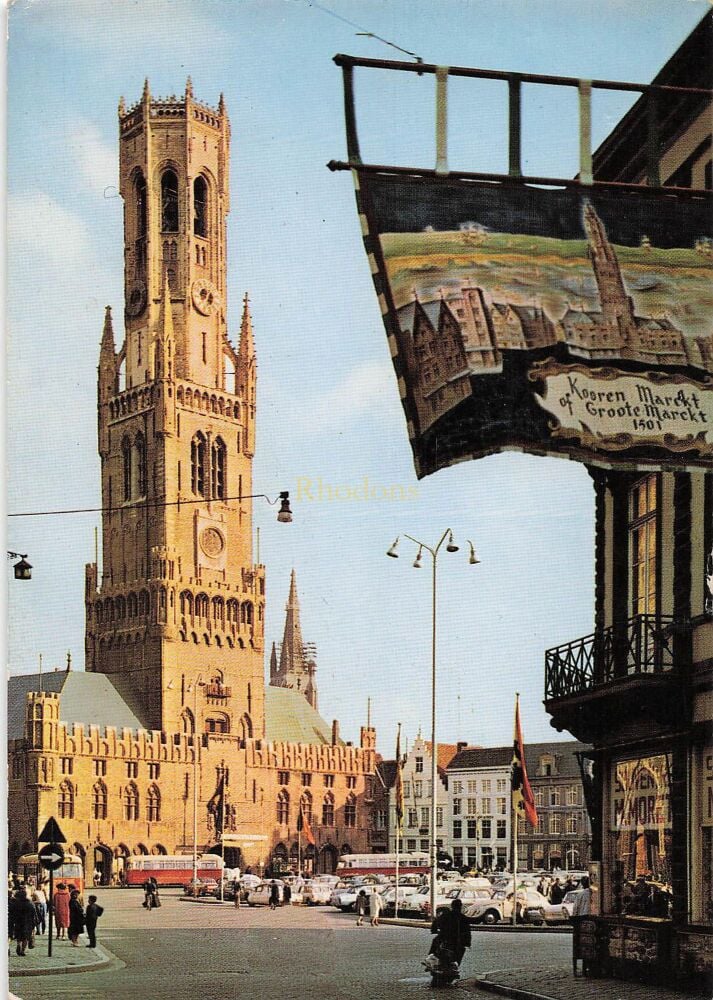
pixel 589 279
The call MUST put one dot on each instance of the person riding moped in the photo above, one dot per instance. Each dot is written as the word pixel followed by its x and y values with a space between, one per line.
pixel 452 937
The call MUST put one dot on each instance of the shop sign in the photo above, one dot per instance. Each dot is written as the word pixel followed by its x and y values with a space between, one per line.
pixel 640 794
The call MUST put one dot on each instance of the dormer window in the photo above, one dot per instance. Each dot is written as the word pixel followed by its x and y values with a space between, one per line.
pixel 547 766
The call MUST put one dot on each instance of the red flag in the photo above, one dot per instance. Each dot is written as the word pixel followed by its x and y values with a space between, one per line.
pixel 523 801
pixel 304 827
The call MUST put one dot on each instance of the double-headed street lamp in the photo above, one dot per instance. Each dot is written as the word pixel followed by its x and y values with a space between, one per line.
pixel 473 560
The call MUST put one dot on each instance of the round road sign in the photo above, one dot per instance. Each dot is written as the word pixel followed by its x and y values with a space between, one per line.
pixel 51 857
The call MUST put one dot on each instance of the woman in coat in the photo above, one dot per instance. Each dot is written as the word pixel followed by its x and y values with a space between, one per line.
pixel 23 921
pixel 376 903
pixel 60 903
pixel 76 918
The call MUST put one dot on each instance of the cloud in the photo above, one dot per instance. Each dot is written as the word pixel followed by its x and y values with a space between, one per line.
pixel 353 396
pixel 44 234
pixel 97 162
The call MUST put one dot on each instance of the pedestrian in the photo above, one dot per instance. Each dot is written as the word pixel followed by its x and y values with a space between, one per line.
pixel 286 894
pixel 60 906
pixel 556 893
pixel 360 907
pixel 236 892
pixel 76 918
pixel 154 886
pixel 97 877
pixel 581 906
pixel 274 895
pixel 23 921
pixel 375 906
pixel 94 911
pixel 40 903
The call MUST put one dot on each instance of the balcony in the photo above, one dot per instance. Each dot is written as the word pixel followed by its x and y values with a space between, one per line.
pixel 627 663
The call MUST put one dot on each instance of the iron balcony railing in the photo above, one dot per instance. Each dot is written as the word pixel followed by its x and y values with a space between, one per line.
pixel 641 645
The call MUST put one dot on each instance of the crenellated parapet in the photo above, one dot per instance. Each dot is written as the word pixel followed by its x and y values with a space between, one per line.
pixel 310 757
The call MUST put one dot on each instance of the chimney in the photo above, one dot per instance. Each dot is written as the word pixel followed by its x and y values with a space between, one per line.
pixel 461 745
pixel 335 732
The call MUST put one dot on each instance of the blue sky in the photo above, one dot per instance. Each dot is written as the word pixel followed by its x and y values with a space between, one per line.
pixel 328 403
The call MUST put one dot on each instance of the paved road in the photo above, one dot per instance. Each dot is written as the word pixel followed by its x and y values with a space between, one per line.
pixel 189 951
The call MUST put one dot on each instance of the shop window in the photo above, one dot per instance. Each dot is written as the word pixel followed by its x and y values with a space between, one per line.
pixel 640 835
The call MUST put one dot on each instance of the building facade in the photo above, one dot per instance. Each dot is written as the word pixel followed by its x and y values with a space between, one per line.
pixel 479 796
pixel 418 801
pixel 639 688
pixel 129 755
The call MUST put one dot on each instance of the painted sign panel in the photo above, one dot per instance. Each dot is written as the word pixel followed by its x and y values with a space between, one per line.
pixel 640 794
pixel 569 321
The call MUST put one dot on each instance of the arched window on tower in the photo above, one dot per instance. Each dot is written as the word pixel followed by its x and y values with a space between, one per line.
pixel 200 207
pixel 153 805
pixel 65 802
pixel 99 800
pixel 198 456
pixel 283 807
pixel 140 471
pixel 141 204
pixel 126 456
pixel 217 469
pixel 169 202
pixel 187 722
pixel 131 801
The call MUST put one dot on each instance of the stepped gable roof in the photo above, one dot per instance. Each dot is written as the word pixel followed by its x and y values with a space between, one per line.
pixel 472 757
pixel 88 698
pixel 564 751
pixel 290 718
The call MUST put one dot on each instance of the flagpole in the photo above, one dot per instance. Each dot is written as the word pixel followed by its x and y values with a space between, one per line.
pixel 513 823
pixel 222 830
pixel 299 845
pixel 398 833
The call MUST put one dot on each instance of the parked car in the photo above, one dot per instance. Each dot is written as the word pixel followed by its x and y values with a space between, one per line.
pixel 499 906
pixel 389 897
pixel 200 887
pixel 318 891
pixel 260 895
pixel 466 894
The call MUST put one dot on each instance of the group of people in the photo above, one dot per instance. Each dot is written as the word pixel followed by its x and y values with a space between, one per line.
pixel 374 903
pixel 28 910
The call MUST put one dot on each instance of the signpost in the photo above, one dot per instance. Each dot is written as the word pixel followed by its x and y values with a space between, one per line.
pixel 51 858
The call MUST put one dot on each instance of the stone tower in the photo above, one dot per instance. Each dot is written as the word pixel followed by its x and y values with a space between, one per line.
pixel 617 307
pixel 296 667
pixel 176 616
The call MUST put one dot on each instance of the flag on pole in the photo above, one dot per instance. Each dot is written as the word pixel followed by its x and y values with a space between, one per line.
pixel 304 827
pixel 216 805
pixel 523 801
pixel 399 785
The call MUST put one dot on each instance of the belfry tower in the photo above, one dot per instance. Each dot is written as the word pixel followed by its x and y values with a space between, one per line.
pixel 617 306
pixel 176 614
pixel 296 667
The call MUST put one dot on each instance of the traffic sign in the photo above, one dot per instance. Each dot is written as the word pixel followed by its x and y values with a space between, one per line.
pixel 51 833
pixel 51 857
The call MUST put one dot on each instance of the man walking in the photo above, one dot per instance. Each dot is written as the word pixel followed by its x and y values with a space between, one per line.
pixel 92 914
pixel 274 895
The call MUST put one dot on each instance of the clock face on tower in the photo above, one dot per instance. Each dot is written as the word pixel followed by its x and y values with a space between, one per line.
pixel 212 542
pixel 205 296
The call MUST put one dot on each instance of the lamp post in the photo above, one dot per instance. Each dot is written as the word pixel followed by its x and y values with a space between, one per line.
pixel 22 570
pixel 198 682
pixel 450 547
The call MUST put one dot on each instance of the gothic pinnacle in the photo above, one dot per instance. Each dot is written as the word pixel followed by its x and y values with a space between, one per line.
pixel 247 343
pixel 189 87
pixel 146 96
pixel 108 333
pixel 122 106
pixel 221 104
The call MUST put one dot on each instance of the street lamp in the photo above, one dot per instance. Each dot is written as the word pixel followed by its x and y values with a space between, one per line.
pixel 194 685
pixel 422 547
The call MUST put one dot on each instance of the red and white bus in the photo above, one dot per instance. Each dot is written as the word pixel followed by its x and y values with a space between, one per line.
pixel 410 863
pixel 71 871
pixel 171 869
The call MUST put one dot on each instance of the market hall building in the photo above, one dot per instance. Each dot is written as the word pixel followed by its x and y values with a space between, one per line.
pixel 640 688
pixel 173 705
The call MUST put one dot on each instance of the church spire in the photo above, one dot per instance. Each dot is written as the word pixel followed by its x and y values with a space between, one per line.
pixel 107 345
pixel 297 667
pixel 246 349
pixel 273 665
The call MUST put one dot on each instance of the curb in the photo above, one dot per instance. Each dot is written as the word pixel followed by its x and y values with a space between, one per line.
pixel 109 959
pixel 508 991
pixel 483 928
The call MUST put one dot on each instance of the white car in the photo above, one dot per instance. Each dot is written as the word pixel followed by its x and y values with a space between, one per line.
pixel 260 895
pixel 318 891
pixel 499 906
pixel 467 894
